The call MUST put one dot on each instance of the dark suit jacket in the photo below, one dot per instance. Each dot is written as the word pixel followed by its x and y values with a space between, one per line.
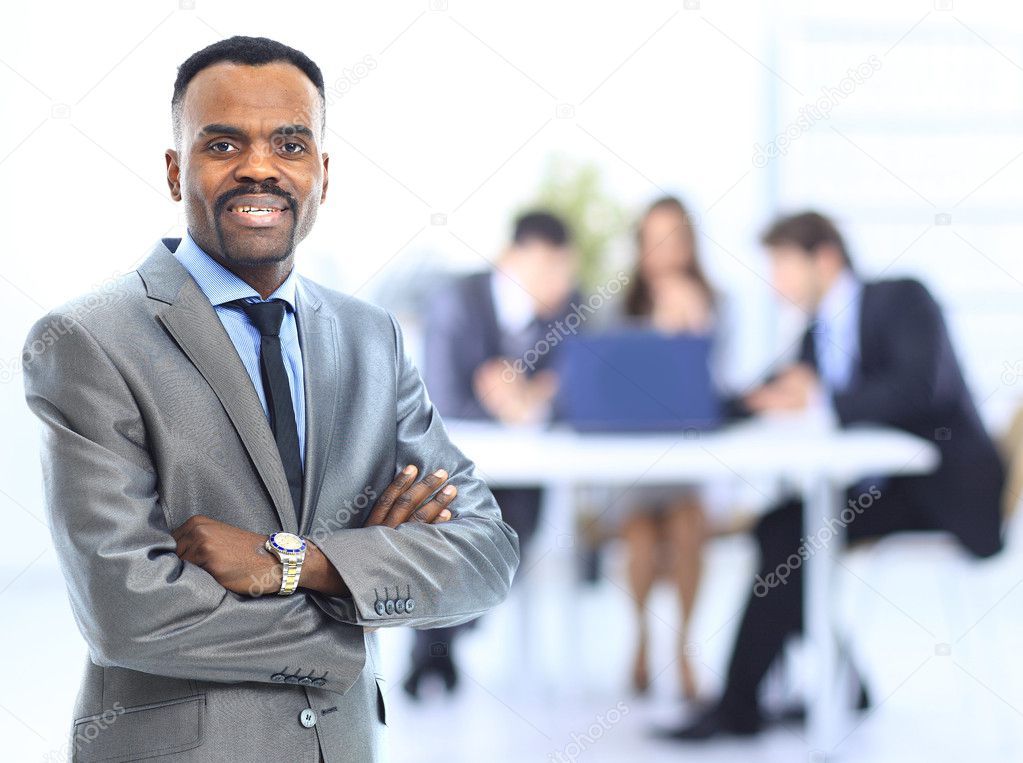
pixel 461 333
pixel 908 377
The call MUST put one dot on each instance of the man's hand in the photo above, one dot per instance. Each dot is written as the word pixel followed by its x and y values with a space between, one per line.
pixel 512 397
pixel 239 561
pixel 235 557
pixel 404 500
pixel 792 390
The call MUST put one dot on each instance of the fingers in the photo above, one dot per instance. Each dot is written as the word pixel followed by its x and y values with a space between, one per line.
pixel 413 498
pixel 403 500
pixel 433 511
pixel 400 483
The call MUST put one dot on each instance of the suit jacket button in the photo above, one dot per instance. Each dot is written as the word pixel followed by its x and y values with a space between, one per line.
pixel 292 679
pixel 318 682
pixel 380 608
pixel 410 604
pixel 307 718
pixel 305 680
pixel 399 606
pixel 278 677
pixel 390 606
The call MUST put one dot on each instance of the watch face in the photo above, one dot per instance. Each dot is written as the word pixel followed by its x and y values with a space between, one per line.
pixel 287 543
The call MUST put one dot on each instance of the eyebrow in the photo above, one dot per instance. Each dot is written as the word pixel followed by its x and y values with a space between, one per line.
pixel 237 132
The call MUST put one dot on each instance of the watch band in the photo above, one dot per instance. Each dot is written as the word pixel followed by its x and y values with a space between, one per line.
pixel 292 570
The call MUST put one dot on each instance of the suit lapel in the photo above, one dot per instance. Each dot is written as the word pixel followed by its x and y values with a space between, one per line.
pixel 196 327
pixel 486 311
pixel 317 334
pixel 866 314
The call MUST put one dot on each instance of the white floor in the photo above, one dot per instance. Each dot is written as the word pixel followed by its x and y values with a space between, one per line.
pixel 937 638
pixel 544 677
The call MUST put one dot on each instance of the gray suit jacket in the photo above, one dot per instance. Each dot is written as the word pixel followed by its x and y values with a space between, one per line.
pixel 149 418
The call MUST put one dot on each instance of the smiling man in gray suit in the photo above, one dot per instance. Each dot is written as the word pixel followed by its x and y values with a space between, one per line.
pixel 230 459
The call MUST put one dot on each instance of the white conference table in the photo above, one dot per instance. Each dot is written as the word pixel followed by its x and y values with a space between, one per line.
pixel 810 453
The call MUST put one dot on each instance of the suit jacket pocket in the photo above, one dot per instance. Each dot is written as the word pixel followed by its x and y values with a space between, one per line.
pixel 381 710
pixel 139 732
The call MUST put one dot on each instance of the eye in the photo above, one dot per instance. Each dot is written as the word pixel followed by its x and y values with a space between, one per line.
pixel 220 147
pixel 291 147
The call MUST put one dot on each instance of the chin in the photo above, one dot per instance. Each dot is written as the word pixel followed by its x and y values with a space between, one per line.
pixel 252 259
pixel 257 249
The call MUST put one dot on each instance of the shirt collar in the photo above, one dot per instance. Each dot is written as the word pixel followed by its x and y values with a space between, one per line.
pixel 218 283
pixel 512 304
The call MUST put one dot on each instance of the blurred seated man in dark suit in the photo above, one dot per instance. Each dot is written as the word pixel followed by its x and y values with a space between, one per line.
pixel 490 338
pixel 876 352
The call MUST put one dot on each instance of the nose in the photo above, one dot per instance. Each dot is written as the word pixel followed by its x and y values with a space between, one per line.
pixel 257 166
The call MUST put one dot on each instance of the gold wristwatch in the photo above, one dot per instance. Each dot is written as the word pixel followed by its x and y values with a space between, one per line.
pixel 290 549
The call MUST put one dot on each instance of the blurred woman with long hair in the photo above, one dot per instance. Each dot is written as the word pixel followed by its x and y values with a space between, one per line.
pixel 664 527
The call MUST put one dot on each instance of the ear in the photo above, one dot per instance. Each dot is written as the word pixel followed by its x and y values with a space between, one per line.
pixel 173 174
pixel 326 178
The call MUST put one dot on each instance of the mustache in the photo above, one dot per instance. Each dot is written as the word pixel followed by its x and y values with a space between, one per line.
pixel 254 190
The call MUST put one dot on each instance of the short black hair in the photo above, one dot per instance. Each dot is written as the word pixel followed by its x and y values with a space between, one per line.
pixel 542 225
pixel 806 230
pixel 254 51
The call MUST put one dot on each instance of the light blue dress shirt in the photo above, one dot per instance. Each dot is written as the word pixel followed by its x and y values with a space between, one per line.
pixel 837 333
pixel 220 285
pixel 837 347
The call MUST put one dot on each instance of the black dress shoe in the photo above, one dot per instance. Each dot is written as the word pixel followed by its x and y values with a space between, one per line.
pixel 797 713
pixel 715 722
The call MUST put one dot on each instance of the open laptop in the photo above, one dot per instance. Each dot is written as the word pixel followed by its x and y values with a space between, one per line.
pixel 637 380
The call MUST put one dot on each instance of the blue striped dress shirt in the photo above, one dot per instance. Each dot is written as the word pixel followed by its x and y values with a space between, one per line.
pixel 220 285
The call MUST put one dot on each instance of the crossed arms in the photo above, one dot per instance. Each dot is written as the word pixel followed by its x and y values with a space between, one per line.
pixel 141 605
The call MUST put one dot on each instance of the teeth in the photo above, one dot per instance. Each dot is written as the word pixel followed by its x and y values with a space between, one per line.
pixel 256 210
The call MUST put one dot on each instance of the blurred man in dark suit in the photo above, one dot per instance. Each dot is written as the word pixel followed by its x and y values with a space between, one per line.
pixel 876 352
pixel 490 341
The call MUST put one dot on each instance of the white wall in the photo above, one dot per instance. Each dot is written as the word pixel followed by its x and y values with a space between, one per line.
pixel 459 112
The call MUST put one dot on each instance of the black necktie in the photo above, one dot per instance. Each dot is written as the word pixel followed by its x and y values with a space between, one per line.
pixel 267 317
